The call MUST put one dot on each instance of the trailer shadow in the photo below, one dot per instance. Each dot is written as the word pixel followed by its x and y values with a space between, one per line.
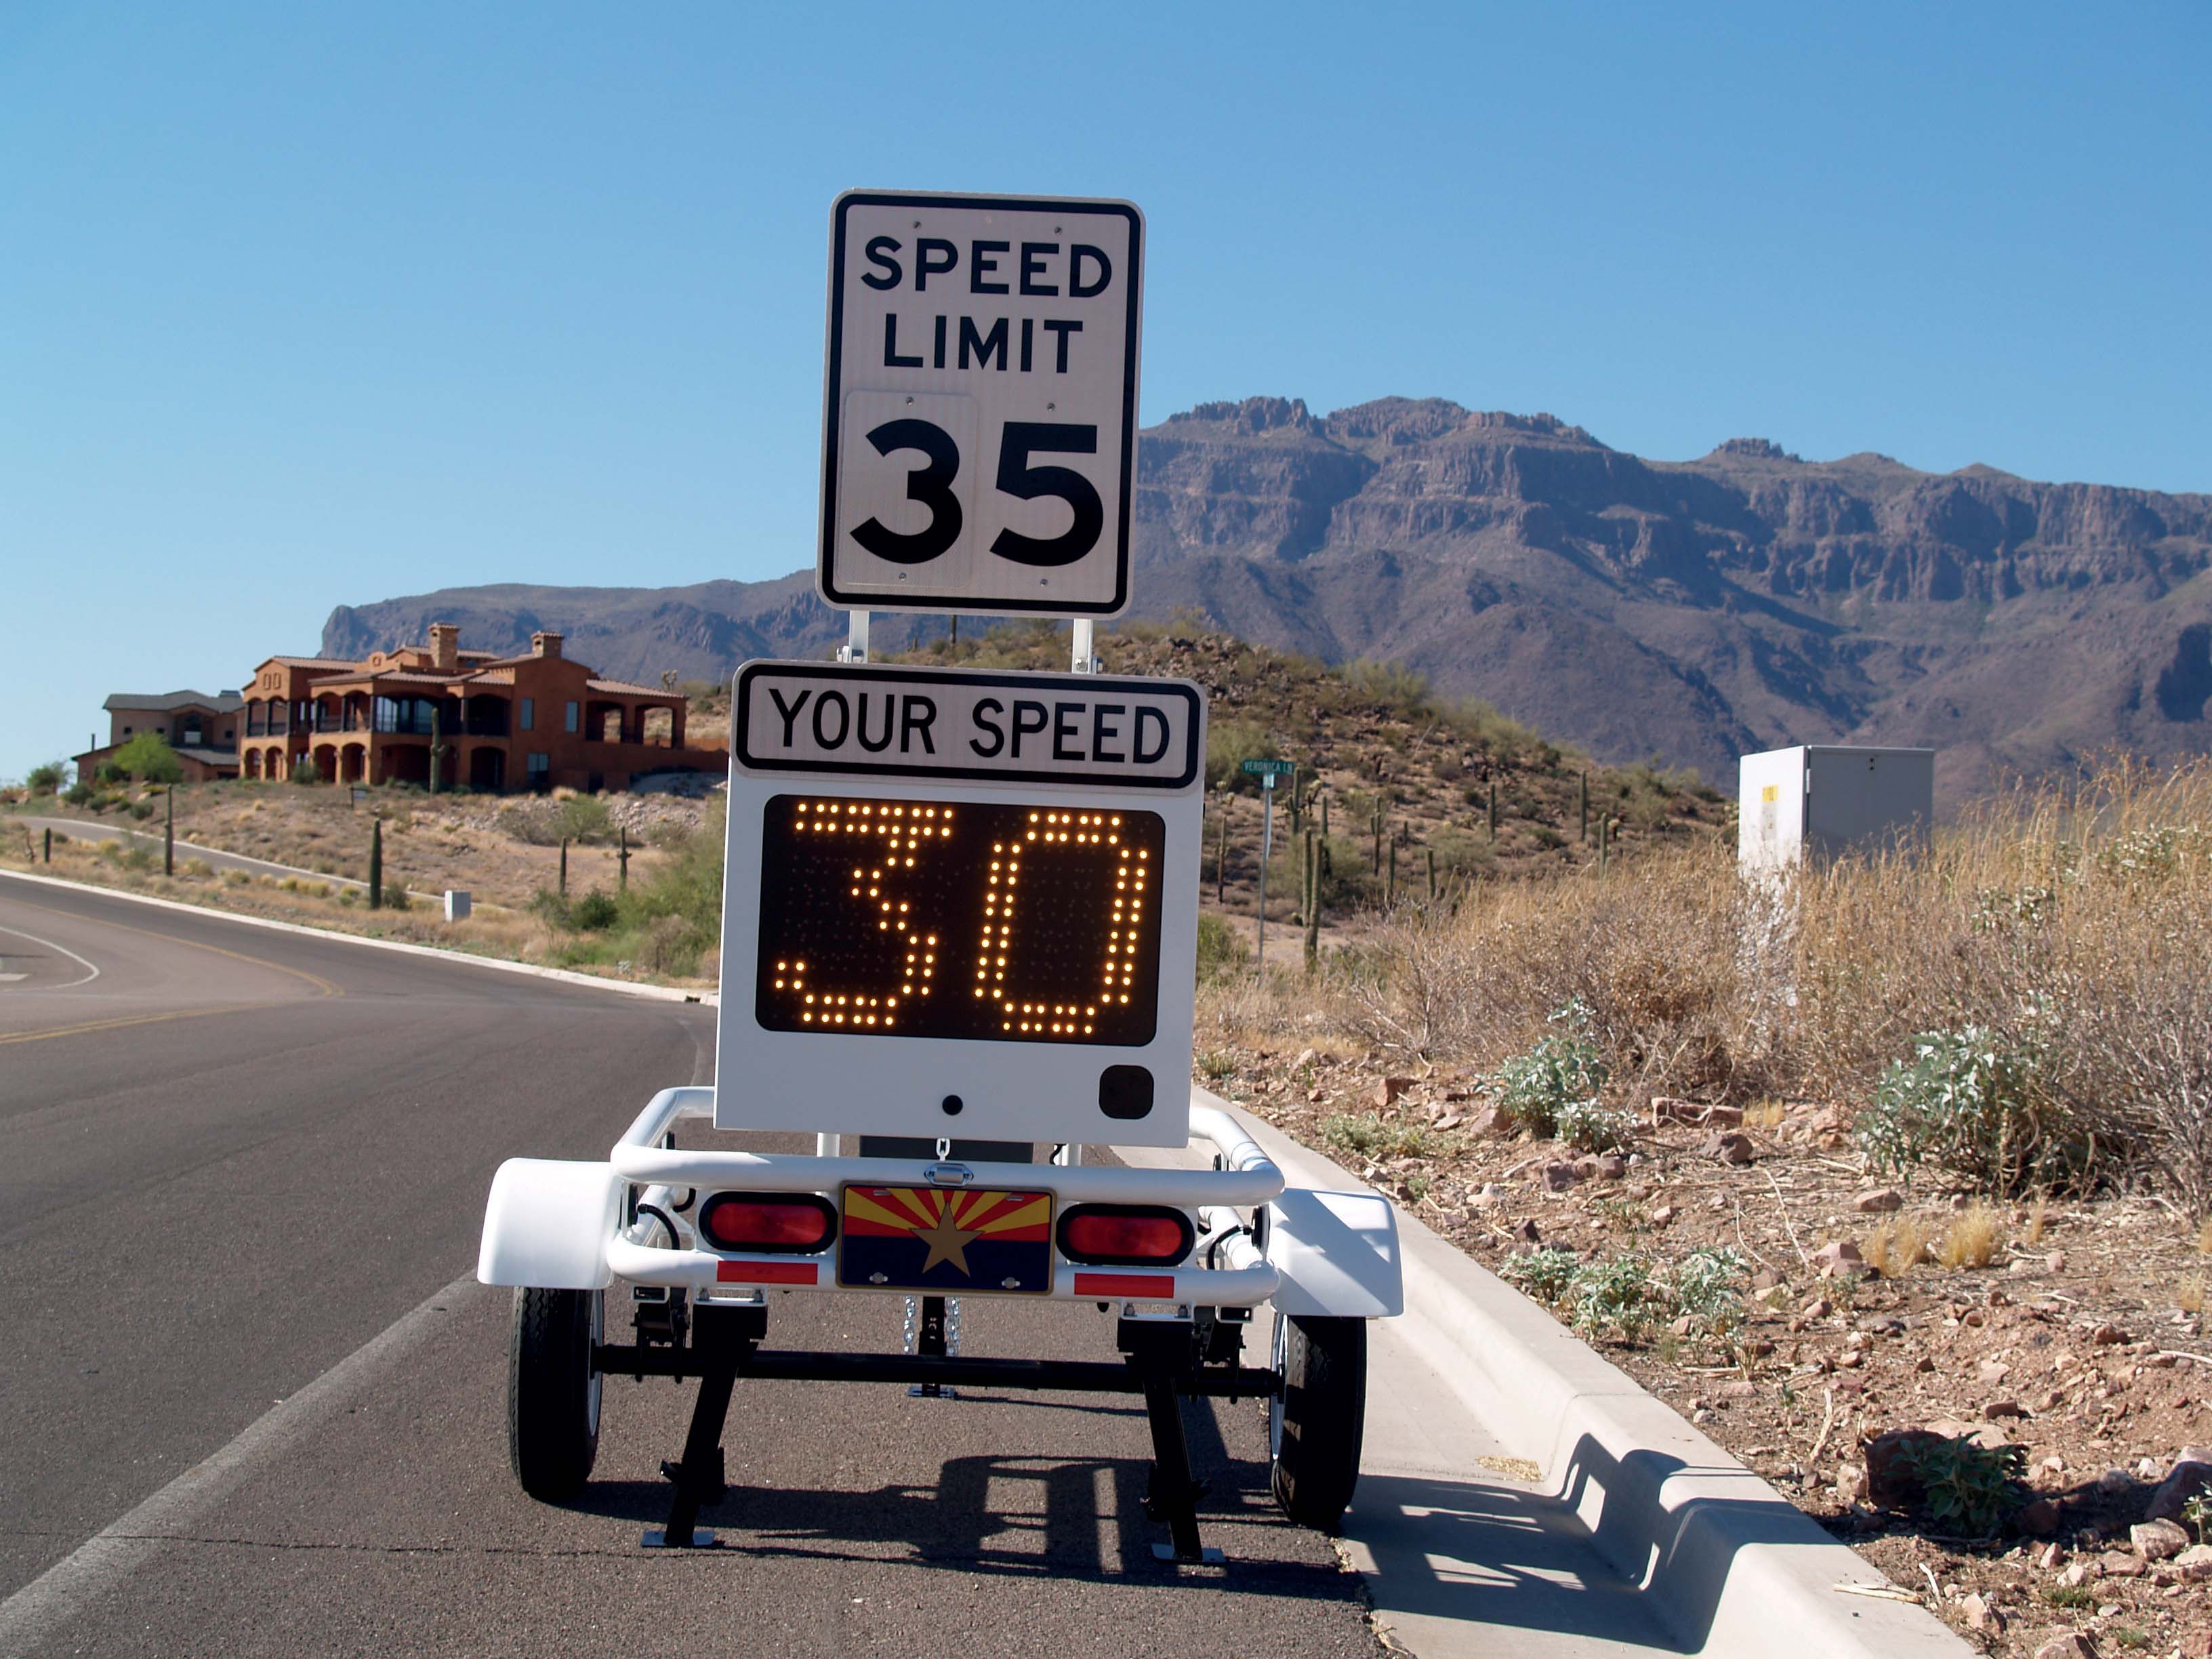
pixel 1019 1516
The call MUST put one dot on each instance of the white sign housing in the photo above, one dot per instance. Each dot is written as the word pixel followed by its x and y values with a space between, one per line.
pixel 980 404
pixel 960 903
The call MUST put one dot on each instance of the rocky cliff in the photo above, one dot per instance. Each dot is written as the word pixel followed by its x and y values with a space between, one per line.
pixel 1688 610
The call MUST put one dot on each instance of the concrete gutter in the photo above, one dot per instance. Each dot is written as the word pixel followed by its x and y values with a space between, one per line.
pixel 1702 1555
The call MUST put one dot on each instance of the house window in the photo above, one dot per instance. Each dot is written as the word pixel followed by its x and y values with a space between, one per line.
pixel 538 770
pixel 575 715
pixel 126 731
pixel 529 714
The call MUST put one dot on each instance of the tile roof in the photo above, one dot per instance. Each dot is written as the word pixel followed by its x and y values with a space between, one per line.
pixel 624 686
pixel 227 702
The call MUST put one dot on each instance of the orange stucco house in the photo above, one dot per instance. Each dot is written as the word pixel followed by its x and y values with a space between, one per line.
pixel 505 723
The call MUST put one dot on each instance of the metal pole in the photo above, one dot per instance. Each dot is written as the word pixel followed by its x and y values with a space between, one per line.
pixel 1081 659
pixel 169 835
pixel 855 649
pixel 1267 844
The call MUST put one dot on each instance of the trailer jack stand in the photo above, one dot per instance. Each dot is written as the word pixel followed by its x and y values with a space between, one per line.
pixel 723 1338
pixel 1171 1496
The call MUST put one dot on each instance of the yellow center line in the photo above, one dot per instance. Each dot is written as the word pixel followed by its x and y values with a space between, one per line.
pixel 127 1019
pixel 323 986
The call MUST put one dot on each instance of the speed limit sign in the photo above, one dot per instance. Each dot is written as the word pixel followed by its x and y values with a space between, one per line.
pixel 980 404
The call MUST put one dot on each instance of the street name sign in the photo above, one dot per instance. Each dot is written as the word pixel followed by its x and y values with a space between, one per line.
pixel 960 903
pixel 1269 769
pixel 979 408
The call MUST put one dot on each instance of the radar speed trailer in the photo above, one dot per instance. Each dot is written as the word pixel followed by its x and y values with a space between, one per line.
pixel 960 919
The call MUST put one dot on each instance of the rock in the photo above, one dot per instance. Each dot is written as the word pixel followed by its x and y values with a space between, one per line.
pixel 1306 1057
pixel 1490 1122
pixel 2191 1476
pixel 2039 1519
pixel 2055 1262
pixel 2066 1645
pixel 1839 1259
pixel 1662 1215
pixel 1980 1615
pixel 1880 1199
pixel 1557 1177
pixel 2108 1335
pixel 2194 1565
pixel 1525 1232
pixel 2147 1469
pixel 1739 1389
pixel 1815 1308
pixel 2079 1572
pixel 2195 1645
pixel 1890 1480
pixel 1728 1146
pixel 1998 1409
pixel 2154 1540
pixel 1851 1486
pixel 1992 1371
pixel 1602 1166
pixel 1487 1196
pixel 2118 1564
pixel 1773 1296
pixel 1767 1278
pixel 2050 1555
pixel 1383 1092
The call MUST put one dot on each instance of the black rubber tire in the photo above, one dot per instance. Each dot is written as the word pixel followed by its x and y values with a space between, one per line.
pixel 552 1395
pixel 1316 1429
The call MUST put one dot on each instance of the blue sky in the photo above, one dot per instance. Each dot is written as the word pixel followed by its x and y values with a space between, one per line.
pixel 310 305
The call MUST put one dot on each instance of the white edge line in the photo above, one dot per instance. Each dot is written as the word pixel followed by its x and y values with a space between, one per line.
pixel 92 968
pixel 661 993
pixel 65 1589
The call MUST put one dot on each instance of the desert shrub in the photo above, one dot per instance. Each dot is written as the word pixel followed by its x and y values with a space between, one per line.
pixel 1969 1488
pixel 1221 949
pixel 1561 1072
pixel 45 778
pixel 548 821
pixel 1543 1275
pixel 1591 1126
pixel 1625 1295
pixel 1228 745
pixel 141 809
pixel 595 912
pixel 395 895
pixel 304 771
pixel 79 792
pixel 1364 1134
pixel 1969 1103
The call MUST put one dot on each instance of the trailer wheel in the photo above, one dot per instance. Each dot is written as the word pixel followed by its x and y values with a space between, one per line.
pixel 1315 1425
pixel 553 1392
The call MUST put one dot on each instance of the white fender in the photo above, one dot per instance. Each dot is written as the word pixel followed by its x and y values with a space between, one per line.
pixel 548 1224
pixel 1338 1255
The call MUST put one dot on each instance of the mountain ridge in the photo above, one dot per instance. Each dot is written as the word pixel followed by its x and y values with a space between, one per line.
pixel 1685 610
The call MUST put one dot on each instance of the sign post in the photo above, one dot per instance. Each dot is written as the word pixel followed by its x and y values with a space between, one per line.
pixel 979 409
pixel 1267 771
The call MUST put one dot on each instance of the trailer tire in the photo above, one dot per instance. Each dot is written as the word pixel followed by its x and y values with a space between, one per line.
pixel 1316 1425
pixel 553 1392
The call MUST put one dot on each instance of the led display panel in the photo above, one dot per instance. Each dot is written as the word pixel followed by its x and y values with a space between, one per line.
pixel 1010 922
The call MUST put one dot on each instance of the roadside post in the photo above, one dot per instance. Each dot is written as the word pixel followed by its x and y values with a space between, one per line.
pixel 169 834
pixel 1267 771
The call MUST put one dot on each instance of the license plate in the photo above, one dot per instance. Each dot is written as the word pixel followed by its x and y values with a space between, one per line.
pixel 942 1238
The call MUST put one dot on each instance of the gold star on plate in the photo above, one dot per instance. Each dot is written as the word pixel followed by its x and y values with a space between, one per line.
pixel 947 1242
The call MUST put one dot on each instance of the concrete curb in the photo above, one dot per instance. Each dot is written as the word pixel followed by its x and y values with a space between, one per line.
pixel 499 965
pixel 1724 1561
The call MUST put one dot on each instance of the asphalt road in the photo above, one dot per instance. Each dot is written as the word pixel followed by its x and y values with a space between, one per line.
pixel 254 1399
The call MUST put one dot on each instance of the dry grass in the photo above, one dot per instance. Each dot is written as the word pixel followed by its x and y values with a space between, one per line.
pixel 1896 1247
pixel 2072 924
pixel 2039 1218
pixel 1973 1238
pixel 2189 1295
pixel 2204 1238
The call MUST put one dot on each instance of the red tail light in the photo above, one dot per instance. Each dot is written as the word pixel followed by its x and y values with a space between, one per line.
pixel 1124 1234
pixel 793 1223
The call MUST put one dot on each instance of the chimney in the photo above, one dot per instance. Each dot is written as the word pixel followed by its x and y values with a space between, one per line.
pixel 544 644
pixel 445 648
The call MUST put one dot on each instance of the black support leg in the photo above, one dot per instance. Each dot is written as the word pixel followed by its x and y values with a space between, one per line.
pixel 722 1337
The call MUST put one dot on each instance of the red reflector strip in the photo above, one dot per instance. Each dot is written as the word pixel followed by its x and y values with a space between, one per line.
pixel 1150 1287
pixel 768 1273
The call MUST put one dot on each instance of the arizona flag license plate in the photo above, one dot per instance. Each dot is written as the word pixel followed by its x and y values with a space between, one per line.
pixel 933 1238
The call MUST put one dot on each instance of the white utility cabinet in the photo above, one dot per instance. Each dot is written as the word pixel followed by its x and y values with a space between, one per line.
pixel 1816 801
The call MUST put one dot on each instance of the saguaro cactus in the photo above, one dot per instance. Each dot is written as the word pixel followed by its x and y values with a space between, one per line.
pixel 564 867
pixel 376 864
pixel 1221 857
pixel 437 748
pixel 1582 797
pixel 1313 901
pixel 1431 853
pixel 1493 811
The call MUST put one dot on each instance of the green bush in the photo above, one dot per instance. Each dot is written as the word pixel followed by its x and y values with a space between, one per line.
pixel 1228 745
pixel 595 912
pixel 1222 953
pixel 1562 1071
pixel 1625 1295
pixel 1969 1488
pixel 304 770
pixel 395 895
pixel 79 792
pixel 45 779
pixel 148 756
pixel 1970 1103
